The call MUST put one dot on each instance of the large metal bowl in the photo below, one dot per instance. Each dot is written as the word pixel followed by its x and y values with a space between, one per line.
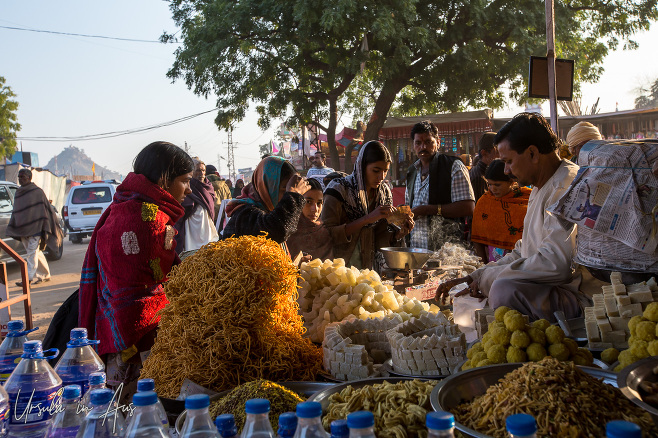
pixel 630 378
pixel 307 389
pixel 406 258
pixel 466 385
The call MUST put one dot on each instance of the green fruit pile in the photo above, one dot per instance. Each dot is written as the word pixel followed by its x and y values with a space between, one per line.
pixel 509 339
pixel 642 343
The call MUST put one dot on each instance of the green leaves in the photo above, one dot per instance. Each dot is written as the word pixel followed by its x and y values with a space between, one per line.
pixel 8 119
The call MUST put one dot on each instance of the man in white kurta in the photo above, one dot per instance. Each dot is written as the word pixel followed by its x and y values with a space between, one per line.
pixel 538 277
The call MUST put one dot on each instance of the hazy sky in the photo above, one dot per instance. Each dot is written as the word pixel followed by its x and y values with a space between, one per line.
pixel 71 86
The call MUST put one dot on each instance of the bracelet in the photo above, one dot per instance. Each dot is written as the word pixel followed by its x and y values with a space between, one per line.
pixel 438 210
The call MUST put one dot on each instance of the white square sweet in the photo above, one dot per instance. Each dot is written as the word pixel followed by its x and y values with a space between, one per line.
pixel 407 355
pixel 592 329
pixel 619 289
pixel 623 300
pixel 604 325
pixel 641 297
pixel 437 353
pixel 418 355
pixel 599 312
pixel 631 310
pixel 611 306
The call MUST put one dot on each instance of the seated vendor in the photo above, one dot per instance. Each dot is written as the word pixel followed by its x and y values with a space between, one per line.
pixel 537 278
pixel 312 237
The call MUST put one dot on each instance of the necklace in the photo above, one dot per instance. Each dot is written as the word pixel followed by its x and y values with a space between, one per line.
pixel 424 173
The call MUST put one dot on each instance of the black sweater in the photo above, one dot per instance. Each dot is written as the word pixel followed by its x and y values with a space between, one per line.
pixel 279 223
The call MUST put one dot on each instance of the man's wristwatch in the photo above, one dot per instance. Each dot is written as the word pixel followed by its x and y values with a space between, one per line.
pixel 438 210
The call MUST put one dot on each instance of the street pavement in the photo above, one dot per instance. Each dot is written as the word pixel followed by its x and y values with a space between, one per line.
pixel 48 296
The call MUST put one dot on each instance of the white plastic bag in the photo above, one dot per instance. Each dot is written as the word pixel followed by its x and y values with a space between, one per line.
pixel 463 311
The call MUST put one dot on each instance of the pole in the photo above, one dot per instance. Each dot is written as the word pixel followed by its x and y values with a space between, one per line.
pixel 550 55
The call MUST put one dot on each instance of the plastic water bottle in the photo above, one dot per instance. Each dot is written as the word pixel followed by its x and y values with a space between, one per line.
pixel 226 426
pixel 257 423
pixel 440 424
pixel 309 423
pixel 4 412
pixel 32 390
pixel 197 421
pixel 339 429
pixel 622 429
pixel 103 421
pixel 146 421
pixel 521 426
pixel 361 424
pixel 79 360
pixel 96 381
pixel 145 385
pixel 11 348
pixel 287 425
pixel 67 420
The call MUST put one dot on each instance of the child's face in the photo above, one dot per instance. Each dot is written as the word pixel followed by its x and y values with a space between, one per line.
pixel 499 188
pixel 313 206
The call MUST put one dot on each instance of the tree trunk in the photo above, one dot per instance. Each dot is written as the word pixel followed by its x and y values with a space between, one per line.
pixel 348 165
pixel 384 102
pixel 331 132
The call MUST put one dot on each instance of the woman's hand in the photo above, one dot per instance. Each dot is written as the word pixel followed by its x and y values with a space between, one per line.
pixel 445 287
pixel 297 184
pixel 406 228
pixel 381 212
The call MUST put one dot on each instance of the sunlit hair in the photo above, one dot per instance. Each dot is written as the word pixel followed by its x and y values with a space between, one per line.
pixel 164 161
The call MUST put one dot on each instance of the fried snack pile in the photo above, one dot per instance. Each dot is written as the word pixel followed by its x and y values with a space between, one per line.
pixel 399 408
pixel 281 400
pixel 232 318
pixel 564 400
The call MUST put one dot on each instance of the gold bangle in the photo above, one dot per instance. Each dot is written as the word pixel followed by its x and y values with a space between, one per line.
pixel 438 210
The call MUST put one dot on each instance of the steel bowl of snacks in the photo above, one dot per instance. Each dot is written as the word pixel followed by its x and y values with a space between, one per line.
pixel 406 258
pixel 639 382
pixel 563 398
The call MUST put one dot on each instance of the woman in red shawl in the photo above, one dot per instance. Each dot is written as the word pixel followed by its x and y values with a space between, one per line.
pixel 130 255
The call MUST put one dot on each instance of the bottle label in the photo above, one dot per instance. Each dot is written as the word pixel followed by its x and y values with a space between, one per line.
pixel 30 407
pixel 7 365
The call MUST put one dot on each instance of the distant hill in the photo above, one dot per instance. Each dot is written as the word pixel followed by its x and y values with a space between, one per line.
pixel 74 161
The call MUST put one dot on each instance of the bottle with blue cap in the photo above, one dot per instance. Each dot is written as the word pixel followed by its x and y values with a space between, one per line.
pixel 97 380
pixel 257 423
pixel 79 360
pixel 339 429
pixel 198 423
pixel 440 424
pixel 11 348
pixel 146 421
pixel 4 412
pixel 104 420
pixel 32 384
pixel 361 424
pixel 145 385
pixel 622 429
pixel 226 426
pixel 521 426
pixel 67 421
pixel 287 425
pixel 309 421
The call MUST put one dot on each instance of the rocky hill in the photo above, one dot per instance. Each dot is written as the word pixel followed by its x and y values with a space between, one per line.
pixel 74 161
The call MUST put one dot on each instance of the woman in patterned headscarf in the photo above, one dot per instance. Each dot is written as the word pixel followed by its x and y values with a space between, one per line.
pixel 356 207
pixel 271 203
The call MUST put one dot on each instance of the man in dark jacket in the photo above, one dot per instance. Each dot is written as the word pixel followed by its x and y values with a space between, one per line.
pixel 438 188
pixel 487 153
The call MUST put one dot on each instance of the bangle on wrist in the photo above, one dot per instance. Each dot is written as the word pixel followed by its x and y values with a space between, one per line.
pixel 438 210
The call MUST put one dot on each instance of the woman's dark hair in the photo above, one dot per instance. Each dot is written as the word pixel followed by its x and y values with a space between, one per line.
pixel 164 161
pixel 314 183
pixel 527 129
pixel 496 171
pixel 375 151
pixel 287 170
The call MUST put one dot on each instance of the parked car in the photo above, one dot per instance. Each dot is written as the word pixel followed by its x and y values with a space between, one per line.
pixel 84 206
pixel 7 192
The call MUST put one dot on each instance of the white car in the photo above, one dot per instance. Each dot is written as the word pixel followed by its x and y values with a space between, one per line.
pixel 84 206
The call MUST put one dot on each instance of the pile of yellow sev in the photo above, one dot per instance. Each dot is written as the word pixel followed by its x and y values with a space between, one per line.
pixel 232 318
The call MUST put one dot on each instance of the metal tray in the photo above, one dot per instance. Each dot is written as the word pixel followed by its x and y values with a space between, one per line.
pixel 306 389
pixel 467 385
pixel 630 377
pixel 598 363
pixel 388 367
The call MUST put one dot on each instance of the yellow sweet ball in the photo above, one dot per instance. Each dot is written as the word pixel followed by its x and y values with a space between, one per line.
pixel 475 348
pixel 500 312
pixel 541 324
pixel 554 334
pixel 537 336
pixel 501 336
pixel 479 357
pixel 559 351
pixel 467 365
pixel 645 330
pixel 633 322
pixel 639 349
pixel 484 363
pixel 488 344
pixel 514 321
pixel 651 312
pixel 583 357
pixel 485 337
pixel 497 354
pixel 535 352
pixel 626 358
pixel 571 345
pixel 515 354
pixel 610 355
pixel 652 348
pixel 618 368
pixel 520 339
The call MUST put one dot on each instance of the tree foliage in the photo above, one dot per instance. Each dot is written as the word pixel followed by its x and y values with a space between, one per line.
pixel 648 98
pixel 8 120
pixel 306 59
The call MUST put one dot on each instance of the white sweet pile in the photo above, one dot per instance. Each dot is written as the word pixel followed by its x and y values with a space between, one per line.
pixel 426 346
pixel 330 292
pixel 452 254
pixel 353 346
pixel 606 322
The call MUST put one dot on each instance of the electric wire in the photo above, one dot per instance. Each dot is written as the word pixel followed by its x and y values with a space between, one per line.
pixel 134 40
